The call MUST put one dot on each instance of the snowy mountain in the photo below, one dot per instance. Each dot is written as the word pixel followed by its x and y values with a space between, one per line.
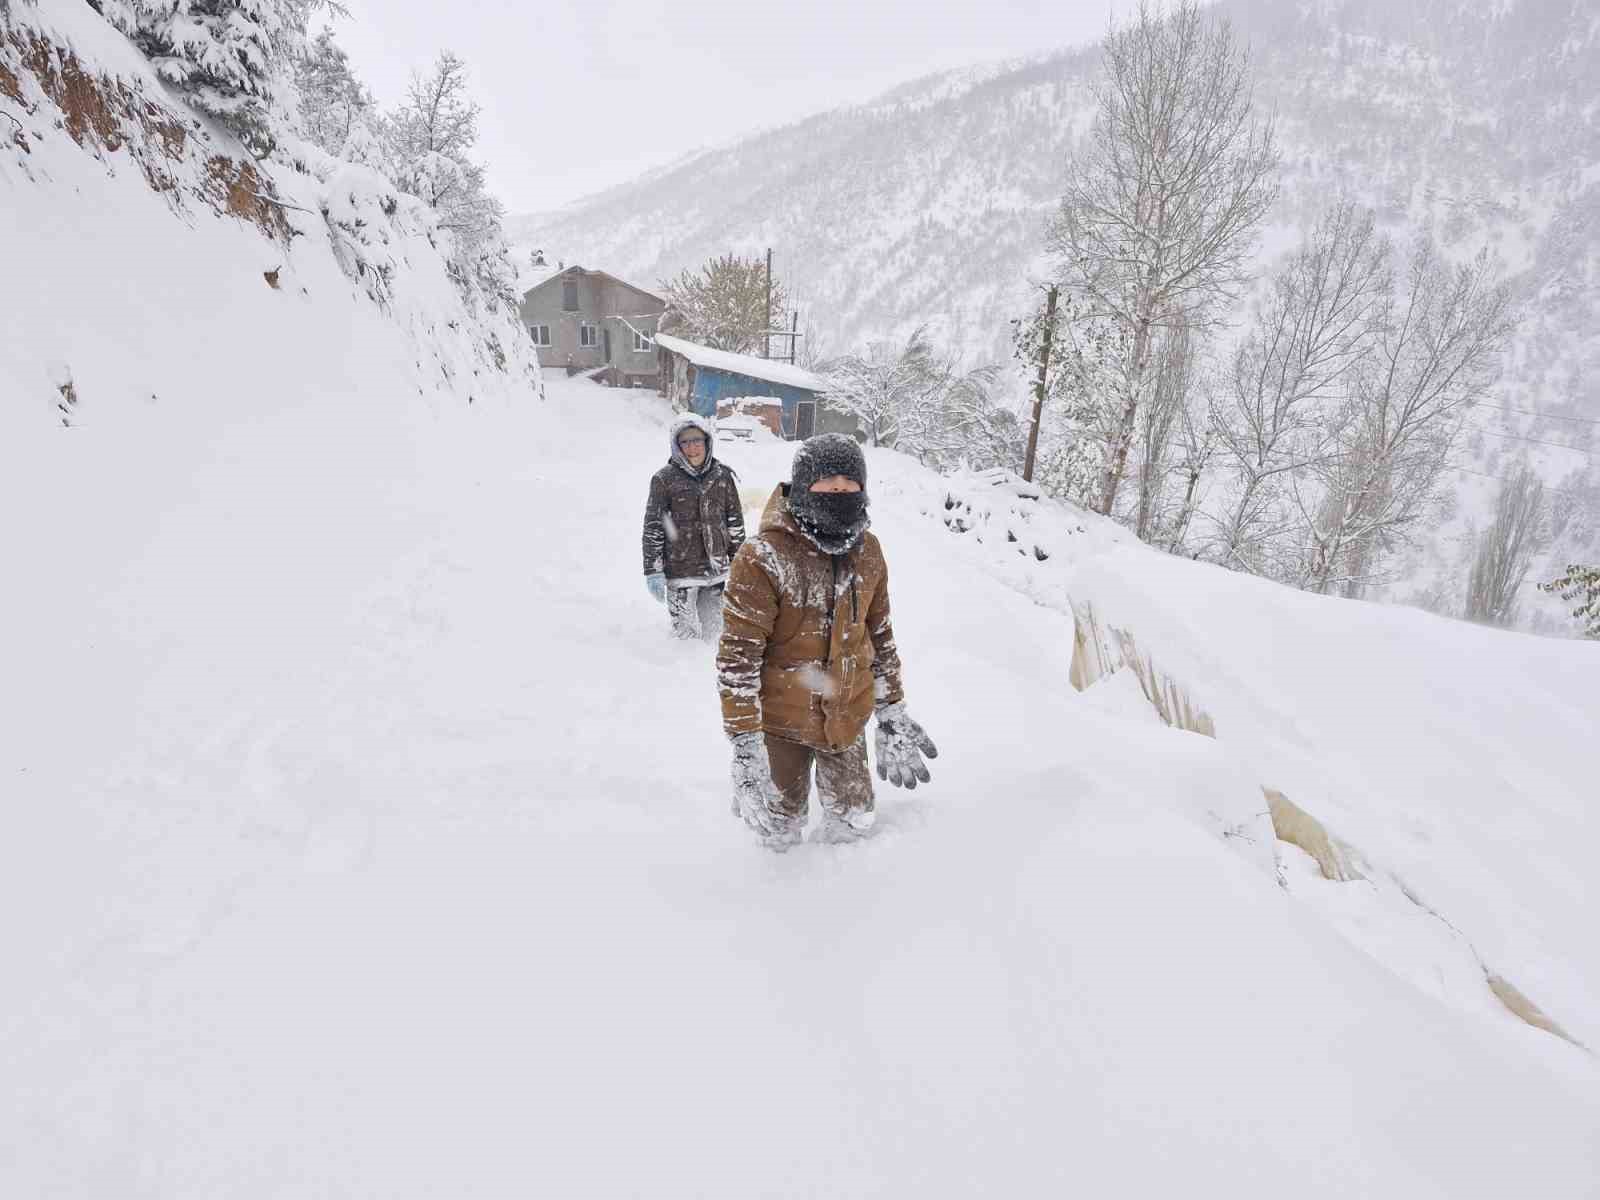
pixel 1476 119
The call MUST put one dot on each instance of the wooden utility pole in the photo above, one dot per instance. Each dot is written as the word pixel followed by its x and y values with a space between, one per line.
pixel 1038 388
pixel 766 338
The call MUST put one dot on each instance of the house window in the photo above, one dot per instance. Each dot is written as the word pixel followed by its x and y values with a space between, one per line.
pixel 541 334
pixel 569 295
pixel 642 343
pixel 588 335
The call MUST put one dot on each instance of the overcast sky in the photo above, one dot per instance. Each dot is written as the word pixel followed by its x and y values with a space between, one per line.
pixel 578 96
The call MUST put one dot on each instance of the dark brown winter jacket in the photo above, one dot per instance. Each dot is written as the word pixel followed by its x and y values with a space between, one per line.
pixel 807 646
pixel 693 521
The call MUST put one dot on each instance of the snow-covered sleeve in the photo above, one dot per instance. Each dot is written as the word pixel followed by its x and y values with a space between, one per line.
pixel 735 516
pixel 886 684
pixel 749 612
pixel 655 532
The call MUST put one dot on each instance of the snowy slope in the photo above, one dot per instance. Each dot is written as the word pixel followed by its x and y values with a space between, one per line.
pixel 376 841
pixel 164 267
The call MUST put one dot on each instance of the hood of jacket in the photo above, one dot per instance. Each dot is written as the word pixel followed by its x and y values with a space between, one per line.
pixel 675 455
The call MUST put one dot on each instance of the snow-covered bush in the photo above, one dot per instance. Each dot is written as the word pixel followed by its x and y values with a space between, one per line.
pixel 1580 584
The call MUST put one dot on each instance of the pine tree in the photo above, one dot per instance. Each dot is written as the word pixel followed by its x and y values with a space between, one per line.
pixel 230 58
pixel 337 111
pixel 1583 585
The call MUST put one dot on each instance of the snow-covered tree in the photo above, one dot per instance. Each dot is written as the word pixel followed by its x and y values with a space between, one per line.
pixel 1580 584
pixel 337 111
pixel 1506 550
pixel 1158 215
pixel 1081 411
pixel 1437 348
pixel 230 58
pixel 1305 339
pixel 879 385
pixel 724 304
pixel 1167 412
pixel 913 397
pixel 431 137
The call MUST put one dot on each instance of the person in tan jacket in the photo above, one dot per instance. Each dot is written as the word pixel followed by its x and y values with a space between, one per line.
pixel 807 655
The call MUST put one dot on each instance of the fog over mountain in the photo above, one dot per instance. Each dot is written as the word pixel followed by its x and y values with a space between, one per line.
pixel 1476 119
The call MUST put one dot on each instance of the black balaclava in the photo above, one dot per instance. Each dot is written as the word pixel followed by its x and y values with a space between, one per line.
pixel 834 521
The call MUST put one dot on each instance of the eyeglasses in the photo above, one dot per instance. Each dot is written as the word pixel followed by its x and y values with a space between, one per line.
pixel 687 442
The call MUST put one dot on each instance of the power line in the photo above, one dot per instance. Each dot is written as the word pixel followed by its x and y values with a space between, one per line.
pixel 1524 438
pixel 1504 479
pixel 1533 412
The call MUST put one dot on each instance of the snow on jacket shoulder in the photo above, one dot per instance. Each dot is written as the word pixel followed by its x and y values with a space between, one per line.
pixel 807 644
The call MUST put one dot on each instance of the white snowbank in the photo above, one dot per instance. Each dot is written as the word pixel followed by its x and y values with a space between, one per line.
pixel 376 839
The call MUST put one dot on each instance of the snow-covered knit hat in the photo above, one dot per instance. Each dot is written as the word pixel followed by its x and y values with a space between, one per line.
pixel 835 521
pixel 676 430
pixel 826 455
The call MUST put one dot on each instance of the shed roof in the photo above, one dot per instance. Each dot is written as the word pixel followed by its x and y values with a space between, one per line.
pixel 743 364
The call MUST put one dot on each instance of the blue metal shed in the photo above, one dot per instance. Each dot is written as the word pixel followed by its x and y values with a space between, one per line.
pixel 698 377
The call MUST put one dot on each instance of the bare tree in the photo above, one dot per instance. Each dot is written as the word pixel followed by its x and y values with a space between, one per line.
pixel 1308 335
pixel 1158 215
pixel 723 304
pixel 1198 440
pixel 1506 550
pixel 1166 413
pixel 1437 349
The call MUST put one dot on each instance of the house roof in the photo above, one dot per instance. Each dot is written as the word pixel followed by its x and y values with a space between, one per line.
pixel 577 270
pixel 743 364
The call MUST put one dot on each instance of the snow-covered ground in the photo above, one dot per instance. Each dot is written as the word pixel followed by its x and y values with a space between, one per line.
pixel 369 837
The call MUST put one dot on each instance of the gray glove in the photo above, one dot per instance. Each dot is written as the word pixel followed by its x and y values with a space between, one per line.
pixel 657 583
pixel 901 743
pixel 755 796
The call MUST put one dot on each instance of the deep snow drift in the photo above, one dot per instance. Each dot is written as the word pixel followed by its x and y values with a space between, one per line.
pixel 371 837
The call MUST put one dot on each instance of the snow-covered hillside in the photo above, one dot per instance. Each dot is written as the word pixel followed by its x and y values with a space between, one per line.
pixel 370 835
pixel 1476 119
pixel 154 263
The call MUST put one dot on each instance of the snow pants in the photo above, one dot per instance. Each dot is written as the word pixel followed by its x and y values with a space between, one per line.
pixel 844 784
pixel 696 610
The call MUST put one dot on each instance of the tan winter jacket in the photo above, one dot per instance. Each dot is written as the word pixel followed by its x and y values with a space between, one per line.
pixel 807 646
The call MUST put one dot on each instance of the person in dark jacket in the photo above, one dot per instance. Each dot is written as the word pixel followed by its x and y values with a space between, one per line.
pixel 693 526
pixel 808 656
